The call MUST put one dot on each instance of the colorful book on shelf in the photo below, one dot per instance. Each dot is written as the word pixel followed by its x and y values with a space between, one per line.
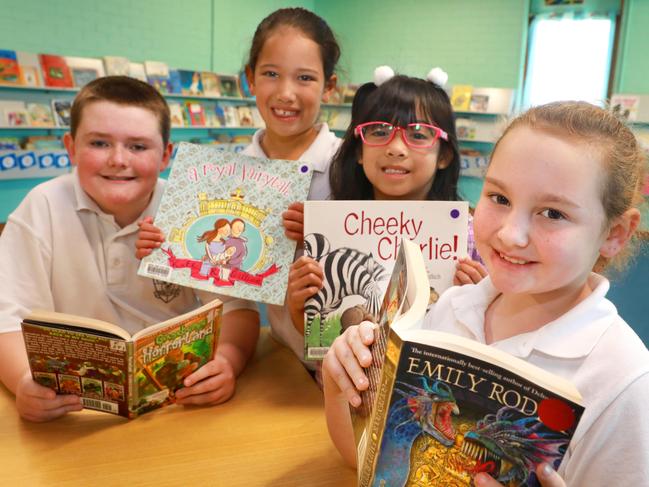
pixel 231 115
pixel 245 116
pixel 116 66
pixel 14 113
pixel 219 113
pixel 177 114
pixel 40 115
pixel 175 82
pixel 10 72
pixel 257 120
pixel 229 86
pixel 30 67
pixel 479 102
pixel 625 106
pixel 113 371
pixel 157 75
pixel 461 97
pixel 137 71
pixel 195 113
pixel 244 84
pixel 445 407
pixel 221 215
pixel 61 110
pixel 210 84
pixel 190 82
pixel 85 69
pixel 56 72
pixel 356 244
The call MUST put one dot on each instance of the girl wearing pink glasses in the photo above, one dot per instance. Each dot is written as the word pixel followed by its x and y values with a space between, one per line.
pixel 400 145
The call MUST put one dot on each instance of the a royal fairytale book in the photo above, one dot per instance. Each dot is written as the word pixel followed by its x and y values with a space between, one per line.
pixel 113 371
pixel 221 214
pixel 356 244
pixel 441 408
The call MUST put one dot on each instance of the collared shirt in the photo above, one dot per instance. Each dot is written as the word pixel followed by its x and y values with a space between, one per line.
pixel 59 251
pixel 592 347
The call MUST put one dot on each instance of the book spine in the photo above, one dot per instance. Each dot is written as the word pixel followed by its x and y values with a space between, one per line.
pixel 380 409
pixel 130 360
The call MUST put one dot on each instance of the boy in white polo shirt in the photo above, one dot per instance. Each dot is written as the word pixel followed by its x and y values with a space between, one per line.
pixel 69 247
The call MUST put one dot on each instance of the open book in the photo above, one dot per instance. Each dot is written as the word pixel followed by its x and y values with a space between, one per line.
pixel 441 408
pixel 113 371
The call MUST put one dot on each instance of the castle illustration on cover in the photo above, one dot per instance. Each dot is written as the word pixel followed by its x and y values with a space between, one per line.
pixel 221 216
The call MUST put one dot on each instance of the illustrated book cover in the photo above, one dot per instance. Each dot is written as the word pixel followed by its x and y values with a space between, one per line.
pixel 157 75
pixel 85 69
pixel 195 113
pixel 13 113
pixel 356 243
pixel 30 68
pixel 56 72
pixel 461 97
pixel 137 71
pixel 113 371
pixel 441 408
pixel 116 66
pixel 625 106
pixel 61 110
pixel 175 83
pixel 190 82
pixel 221 214
pixel 210 84
pixel 10 73
pixel 40 115
pixel 229 86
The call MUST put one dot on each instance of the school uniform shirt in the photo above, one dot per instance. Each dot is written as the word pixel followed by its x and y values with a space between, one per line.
pixel 592 347
pixel 59 251
pixel 318 156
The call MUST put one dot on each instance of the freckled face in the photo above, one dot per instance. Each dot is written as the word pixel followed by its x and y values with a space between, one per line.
pixel 540 223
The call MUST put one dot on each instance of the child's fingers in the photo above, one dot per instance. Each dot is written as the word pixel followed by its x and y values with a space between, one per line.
pixel 366 332
pixel 548 476
pixel 485 480
pixel 339 375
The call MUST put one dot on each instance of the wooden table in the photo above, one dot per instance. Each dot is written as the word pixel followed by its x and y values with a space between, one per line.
pixel 272 433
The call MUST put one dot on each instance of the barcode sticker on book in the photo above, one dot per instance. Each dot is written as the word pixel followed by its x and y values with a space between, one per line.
pixel 158 270
pixel 111 407
pixel 317 353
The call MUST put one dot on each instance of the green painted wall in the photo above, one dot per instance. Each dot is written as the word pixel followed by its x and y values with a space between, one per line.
pixel 477 42
pixel 633 62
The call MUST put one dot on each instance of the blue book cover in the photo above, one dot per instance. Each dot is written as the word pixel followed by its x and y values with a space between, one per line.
pixel 190 82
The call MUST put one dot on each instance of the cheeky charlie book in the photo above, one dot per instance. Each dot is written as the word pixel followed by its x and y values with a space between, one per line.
pixel 221 214
pixel 441 408
pixel 113 371
pixel 356 244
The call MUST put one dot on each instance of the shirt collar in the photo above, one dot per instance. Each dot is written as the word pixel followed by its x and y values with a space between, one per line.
pixel 572 335
pixel 317 154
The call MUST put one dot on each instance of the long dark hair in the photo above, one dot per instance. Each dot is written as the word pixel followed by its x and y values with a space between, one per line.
pixel 396 101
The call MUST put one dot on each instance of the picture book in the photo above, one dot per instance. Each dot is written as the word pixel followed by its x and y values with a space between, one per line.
pixel 10 73
pixel 40 115
pixel 461 97
pixel 190 82
pixel 257 119
pixel 61 109
pixel 210 84
pixel 221 216
pixel 441 408
pixel 195 113
pixel 244 84
pixel 175 83
pixel 30 67
pixel 245 116
pixel 176 114
pixel 230 115
pixel 356 243
pixel 13 113
pixel 137 71
pixel 157 75
pixel 479 103
pixel 116 66
pixel 113 371
pixel 85 69
pixel 56 72
pixel 229 86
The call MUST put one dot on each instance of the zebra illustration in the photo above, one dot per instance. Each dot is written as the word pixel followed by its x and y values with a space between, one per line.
pixel 347 272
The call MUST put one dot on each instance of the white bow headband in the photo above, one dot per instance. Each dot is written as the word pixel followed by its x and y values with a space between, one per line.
pixel 436 75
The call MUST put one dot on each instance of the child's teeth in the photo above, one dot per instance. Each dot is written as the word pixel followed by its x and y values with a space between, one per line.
pixel 395 171
pixel 513 261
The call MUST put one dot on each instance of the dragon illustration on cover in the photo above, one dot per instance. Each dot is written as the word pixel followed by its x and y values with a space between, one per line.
pixel 428 442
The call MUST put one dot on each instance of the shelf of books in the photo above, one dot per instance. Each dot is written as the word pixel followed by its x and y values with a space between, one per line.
pixel 481 116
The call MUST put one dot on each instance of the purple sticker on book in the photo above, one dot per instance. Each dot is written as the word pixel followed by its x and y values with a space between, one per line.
pixel 455 213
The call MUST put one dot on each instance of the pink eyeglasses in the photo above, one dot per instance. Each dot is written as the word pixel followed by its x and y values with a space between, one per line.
pixel 417 135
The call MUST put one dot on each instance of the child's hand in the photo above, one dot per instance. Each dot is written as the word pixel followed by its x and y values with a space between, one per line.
pixel 348 355
pixel 212 384
pixel 39 404
pixel 305 278
pixel 547 476
pixel 293 221
pixel 148 238
pixel 469 271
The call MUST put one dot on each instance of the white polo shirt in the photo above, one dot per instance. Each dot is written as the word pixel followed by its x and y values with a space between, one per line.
pixel 60 252
pixel 599 353
pixel 318 156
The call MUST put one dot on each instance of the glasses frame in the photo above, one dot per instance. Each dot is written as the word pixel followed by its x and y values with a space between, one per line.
pixel 439 134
